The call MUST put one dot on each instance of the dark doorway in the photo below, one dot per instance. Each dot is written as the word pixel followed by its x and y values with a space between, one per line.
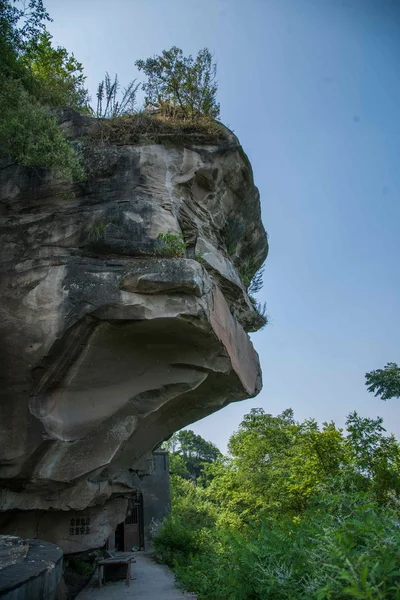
pixel 119 538
pixel 130 533
pixel 133 536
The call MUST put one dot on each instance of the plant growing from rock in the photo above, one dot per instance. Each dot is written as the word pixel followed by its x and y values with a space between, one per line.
pixel 108 104
pixel 173 245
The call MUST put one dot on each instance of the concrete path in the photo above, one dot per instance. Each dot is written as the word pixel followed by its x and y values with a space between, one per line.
pixel 151 582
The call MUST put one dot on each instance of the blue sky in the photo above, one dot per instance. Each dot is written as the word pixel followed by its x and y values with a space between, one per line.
pixel 312 89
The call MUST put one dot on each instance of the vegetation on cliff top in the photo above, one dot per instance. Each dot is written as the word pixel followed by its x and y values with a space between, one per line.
pixel 36 78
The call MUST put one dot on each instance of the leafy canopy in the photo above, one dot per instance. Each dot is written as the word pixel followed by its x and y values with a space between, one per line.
pixel 34 78
pixel 298 511
pixel 384 382
pixel 181 85
pixel 189 452
pixel 56 77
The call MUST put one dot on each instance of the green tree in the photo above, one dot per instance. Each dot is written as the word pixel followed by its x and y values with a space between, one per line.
pixel 193 451
pixel 179 85
pixel 375 456
pixel 384 382
pixel 277 464
pixel 56 77
pixel 298 511
pixel 31 136
pixel 34 78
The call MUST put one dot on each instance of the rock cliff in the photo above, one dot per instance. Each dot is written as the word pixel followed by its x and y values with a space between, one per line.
pixel 112 336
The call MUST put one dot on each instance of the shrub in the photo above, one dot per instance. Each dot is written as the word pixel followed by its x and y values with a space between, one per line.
pixel 298 512
pixel 344 547
pixel 172 246
pixel 54 77
pixel 31 136
pixel 174 542
pixel 34 76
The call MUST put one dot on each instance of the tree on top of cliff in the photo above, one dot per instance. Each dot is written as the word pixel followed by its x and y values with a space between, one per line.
pixel 180 85
pixel 34 78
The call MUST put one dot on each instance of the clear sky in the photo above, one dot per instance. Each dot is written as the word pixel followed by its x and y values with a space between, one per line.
pixel 312 89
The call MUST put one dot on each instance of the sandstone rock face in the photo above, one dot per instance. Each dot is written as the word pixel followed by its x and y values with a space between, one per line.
pixel 109 343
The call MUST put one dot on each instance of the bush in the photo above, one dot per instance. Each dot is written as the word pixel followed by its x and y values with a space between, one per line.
pixel 297 512
pixel 30 135
pixel 172 245
pixel 344 547
pixel 54 77
pixel 34 76
pixel 174 542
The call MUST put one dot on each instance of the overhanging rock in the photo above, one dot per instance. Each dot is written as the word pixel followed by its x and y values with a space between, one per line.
pixel 110 343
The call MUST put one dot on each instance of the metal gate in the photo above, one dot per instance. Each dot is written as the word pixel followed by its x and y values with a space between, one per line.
pixel 133 527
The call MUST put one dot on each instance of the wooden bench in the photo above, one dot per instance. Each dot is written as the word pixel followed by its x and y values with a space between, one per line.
pixel 123 559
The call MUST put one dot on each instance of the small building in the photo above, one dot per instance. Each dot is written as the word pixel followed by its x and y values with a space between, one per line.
pixel 146 508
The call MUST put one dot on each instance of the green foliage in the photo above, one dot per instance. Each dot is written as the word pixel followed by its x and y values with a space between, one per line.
pixel 375 457
pixel 297 512
pixel 261 309
pixel 31 136
pixel 247 272
pixel 345 546
pixel 256 283
pixel 178 466
pixel 20 24
pixel 96 232
pixel 175 542
pixel 172 246
pixel 199 256
pixel 35 77
pixel 190 452
pixel 180 85
pixel 108 104
pixel 253 280
pixel 179 535
pixel 384 382
pixel 232 233
pixel 83 564
pixel 55 77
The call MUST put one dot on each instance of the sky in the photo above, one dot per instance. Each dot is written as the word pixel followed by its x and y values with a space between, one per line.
pixel 312 90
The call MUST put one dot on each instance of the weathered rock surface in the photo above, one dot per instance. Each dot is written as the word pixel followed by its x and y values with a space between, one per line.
pixel 29 569
pixel 109 346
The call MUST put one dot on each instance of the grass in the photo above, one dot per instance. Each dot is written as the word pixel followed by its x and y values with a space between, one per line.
pixel 96 232
pixel 173 245
pixel 157 128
